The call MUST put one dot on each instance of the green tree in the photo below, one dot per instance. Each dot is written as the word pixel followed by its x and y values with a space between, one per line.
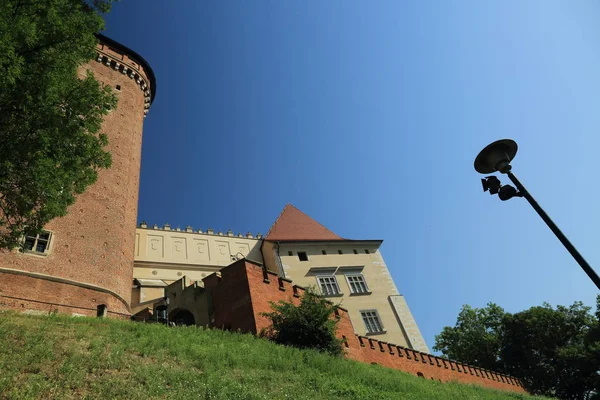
pixel 555 351
pixel 545 346
pixel 51 147
pixel 592 345
pixel 476 337
pixel 307 325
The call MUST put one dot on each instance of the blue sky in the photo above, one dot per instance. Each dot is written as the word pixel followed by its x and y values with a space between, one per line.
pixel 368 116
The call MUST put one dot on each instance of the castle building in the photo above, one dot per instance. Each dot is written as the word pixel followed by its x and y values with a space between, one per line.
pixel 85 263
pixel 95 261
pixel 351 273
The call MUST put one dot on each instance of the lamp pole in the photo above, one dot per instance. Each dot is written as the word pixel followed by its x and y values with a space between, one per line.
pixel 496 157
pixel 561 236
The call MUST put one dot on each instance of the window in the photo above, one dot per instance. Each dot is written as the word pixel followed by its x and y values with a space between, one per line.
pixel 367 251
pixel 340 252
pixel 357 283
pixel 355 251
pixel 118 87
pixel 372 321
pixel 37 243
pixel 290 253
pixel 328 285
pixel 324 252
pixel 302 256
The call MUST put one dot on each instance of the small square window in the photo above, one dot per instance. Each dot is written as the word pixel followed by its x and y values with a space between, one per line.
pixel 340 252
pixel 328 285
pixel 39 243
pixel 355 251
pixel 118 87
pixel 302 256
pixel 372 321
pixel 290 253
pixel 367 251
pixel 324 252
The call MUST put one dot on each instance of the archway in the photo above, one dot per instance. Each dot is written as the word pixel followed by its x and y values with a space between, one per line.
pixel 181 316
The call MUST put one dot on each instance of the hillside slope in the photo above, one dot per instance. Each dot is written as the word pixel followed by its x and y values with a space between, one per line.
pixel 63 357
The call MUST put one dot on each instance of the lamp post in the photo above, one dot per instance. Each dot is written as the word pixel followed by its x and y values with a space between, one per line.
pixel 497 157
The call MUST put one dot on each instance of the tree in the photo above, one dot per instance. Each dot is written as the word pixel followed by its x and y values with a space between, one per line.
pixel 51 147
pixel 476 338
pixel 545 347
pixel 555 351
pixel 308 325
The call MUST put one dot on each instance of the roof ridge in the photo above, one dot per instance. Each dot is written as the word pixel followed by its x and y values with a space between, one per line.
pixel 277 219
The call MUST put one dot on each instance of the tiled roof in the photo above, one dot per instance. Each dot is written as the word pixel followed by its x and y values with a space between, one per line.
pixel 293 225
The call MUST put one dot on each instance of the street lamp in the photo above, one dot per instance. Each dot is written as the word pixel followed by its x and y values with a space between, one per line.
pixel 497 157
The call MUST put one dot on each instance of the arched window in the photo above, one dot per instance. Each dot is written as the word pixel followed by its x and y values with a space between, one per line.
pixel 420 375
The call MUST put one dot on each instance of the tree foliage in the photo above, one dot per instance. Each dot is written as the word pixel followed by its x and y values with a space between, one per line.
pixel 555 351
pixel 50 142
pixel 476 338
pixel 307 325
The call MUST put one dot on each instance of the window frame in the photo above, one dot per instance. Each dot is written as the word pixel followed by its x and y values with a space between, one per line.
pixel 304 254
pixel 379 321
pixel 335 281
pixel 36 239
pixel 364 282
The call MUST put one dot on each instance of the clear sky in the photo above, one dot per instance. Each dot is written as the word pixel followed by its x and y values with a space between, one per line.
pixel 367 115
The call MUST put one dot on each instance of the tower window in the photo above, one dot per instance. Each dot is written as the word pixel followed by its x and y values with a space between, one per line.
pixel 39 243
pixel 118 87
pixel 302 256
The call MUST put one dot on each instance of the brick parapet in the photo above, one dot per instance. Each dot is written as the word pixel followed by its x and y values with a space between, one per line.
pixel 264 287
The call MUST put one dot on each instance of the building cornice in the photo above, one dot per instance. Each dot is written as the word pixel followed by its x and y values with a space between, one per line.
pixel 146 80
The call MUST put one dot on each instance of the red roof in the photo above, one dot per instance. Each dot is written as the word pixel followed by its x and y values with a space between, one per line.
pixel 293 225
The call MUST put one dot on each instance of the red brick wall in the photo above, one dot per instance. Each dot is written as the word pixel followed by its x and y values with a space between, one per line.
pixel 94 242
pixel 230 294
pixel 257 288
pixel 49 297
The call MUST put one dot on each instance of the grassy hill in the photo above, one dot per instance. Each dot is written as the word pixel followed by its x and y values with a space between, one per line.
pixel 62 357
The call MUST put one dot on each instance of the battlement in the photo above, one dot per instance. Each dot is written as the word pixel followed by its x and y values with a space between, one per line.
pixel 244 290
pixel 209 231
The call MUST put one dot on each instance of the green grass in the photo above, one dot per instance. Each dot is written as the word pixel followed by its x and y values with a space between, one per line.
pixel 59 357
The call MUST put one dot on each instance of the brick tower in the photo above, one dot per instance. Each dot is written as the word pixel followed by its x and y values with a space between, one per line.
pixel 83 263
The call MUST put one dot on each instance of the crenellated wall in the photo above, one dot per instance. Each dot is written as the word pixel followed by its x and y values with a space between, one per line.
pixel 245 289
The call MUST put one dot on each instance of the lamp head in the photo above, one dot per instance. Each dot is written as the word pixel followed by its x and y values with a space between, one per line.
pixel 496 157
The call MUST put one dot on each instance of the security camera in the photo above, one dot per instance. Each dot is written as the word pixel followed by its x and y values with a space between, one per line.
pixel 491 183
pixel 507 192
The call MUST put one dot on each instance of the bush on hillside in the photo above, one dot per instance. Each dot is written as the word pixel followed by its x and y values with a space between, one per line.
pixel 308 325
